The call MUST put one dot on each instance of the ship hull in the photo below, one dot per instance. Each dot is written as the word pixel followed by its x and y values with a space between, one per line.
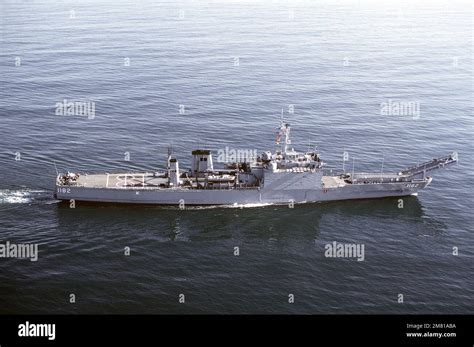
pixel 241 196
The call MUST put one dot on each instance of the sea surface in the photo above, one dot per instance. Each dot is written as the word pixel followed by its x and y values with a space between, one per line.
pixel 217 74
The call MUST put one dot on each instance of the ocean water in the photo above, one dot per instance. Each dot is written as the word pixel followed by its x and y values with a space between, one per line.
pixel 230 67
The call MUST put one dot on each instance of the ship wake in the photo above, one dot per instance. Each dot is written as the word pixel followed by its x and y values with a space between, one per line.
pixel 21 196
pixel 231 206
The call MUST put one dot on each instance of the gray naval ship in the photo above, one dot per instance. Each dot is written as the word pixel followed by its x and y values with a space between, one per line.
pixel 284 176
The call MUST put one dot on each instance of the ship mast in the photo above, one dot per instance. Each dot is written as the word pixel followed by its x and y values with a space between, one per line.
pixel 168 164
pixel 287 136
pixel 284 131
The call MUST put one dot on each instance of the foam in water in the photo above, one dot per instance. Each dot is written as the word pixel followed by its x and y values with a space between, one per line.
pixel 24 196
pixel 250 205
pixel 209 207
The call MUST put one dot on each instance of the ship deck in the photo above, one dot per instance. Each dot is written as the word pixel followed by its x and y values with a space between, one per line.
pixel 149 180
pixel 120 180
pixel 332 182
